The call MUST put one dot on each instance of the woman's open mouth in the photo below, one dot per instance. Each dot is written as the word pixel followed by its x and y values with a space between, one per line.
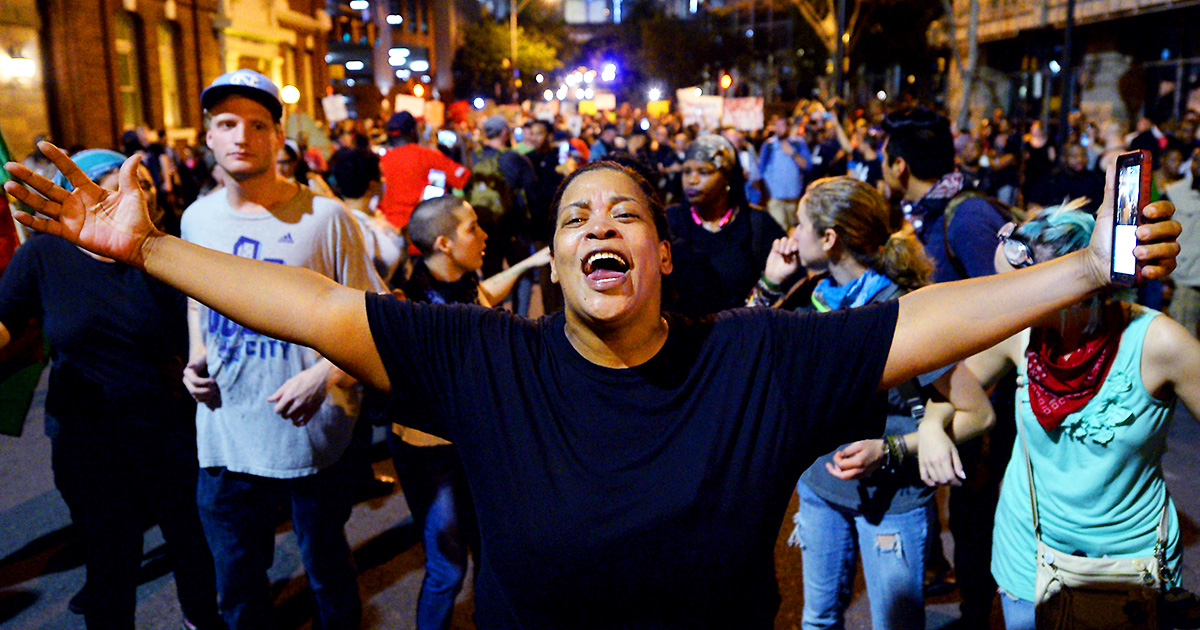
pixel 604 269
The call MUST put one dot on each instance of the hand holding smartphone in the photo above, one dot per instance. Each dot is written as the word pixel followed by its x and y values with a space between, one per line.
pixel 1132 188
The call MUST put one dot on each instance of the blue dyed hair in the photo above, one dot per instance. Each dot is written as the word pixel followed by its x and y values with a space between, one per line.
pixel 95 163
pixel 1057 231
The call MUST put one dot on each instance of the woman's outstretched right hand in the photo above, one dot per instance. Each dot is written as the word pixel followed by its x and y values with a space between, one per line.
pixel 112 224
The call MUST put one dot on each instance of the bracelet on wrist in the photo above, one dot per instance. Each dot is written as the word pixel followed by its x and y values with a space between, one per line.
pixel 768 285
pixel 895 452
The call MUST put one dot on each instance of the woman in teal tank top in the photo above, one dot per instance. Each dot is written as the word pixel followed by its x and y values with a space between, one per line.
pixel 1096 389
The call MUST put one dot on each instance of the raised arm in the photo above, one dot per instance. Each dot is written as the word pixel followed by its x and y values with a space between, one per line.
pixel 496 288
pixel 287 303
pixel 948 322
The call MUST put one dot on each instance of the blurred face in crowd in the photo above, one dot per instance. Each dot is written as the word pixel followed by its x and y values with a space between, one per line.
pixel 679 142
pixel 607 254
pixel 662 135
pixel 637 142
pixel 971 152
pixel 243 137
pixel 1187 129
pixel 1076 157
pixel 780 127
pixel 1172 162
pixel 608 135
pixel 286 164
pixel 704 185
pixel 536 137
pixel 734 137
pixel 1036 130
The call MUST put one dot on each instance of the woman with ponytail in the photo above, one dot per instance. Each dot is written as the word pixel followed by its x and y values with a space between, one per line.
pixel 871 496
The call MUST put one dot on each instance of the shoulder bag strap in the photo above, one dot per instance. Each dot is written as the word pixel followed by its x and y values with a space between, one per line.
pixel 1037 529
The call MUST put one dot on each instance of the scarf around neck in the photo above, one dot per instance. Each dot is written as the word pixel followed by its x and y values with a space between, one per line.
pixel 949 185
pixel 828 296
pixel 928 208
pixel 1061 383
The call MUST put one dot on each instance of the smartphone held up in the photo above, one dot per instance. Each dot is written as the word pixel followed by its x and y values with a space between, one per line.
pixel 1132 188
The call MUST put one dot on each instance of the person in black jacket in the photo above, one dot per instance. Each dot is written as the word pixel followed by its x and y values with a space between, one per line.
pixel 719 241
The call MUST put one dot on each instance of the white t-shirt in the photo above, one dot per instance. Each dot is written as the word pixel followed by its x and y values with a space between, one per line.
pixel 244 434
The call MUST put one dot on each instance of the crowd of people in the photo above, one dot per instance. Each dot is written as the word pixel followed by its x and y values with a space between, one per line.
pixel 626 459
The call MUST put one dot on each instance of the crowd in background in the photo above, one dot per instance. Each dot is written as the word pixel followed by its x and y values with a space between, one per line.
pixel 731 195
pixel 1016 162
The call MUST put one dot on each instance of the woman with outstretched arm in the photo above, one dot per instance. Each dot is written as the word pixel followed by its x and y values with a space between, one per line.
pixel 630 467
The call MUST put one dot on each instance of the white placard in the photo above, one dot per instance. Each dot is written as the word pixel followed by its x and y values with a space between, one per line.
pixel 745 114
pixel 704 111
pixel 335 108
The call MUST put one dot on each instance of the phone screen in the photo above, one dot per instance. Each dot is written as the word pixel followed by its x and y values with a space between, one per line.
pixel 447 137
pixel 1132 194
pixel 564 151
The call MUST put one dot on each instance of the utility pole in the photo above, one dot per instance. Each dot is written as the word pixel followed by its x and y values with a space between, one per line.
pixel 839 75
pixel 1068 82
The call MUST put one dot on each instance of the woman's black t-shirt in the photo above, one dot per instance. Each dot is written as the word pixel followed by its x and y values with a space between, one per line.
pixel 118 336
pixel 648 497
pixel 715 271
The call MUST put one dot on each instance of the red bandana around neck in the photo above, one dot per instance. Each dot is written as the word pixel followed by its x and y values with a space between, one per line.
pixel 1061 384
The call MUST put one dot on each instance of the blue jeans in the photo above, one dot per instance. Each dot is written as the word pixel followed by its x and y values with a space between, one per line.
pixel 435 488
pixel 1018 613
pixel 893 557
pixel 239 514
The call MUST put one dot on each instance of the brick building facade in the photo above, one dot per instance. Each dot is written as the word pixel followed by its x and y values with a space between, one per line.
pixel 105 66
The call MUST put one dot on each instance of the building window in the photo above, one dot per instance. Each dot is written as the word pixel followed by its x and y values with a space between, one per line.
pixel 168 63
pixel 129 73
pixel 586 12
pixel 413 16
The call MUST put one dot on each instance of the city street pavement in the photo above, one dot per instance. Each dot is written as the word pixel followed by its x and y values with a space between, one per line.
pixel 41 565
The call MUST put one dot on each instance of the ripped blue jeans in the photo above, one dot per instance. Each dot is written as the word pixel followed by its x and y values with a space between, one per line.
pixel 893 557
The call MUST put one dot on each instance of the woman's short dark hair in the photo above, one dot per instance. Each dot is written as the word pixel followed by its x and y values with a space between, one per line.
pixel 658 211
pixel 922 137
pixel 433 218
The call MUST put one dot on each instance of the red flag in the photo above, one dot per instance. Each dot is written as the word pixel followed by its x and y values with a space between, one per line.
pixel 8 231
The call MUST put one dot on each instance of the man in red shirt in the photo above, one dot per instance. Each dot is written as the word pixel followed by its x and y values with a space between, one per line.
pixel 408 168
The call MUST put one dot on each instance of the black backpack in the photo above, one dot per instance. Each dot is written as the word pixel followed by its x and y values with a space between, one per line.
pixel 1006 211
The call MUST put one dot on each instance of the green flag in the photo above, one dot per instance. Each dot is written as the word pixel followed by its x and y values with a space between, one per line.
pixel 22 372
pixel 5 156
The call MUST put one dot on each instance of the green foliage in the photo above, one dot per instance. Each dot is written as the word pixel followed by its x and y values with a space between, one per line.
pixel 481 65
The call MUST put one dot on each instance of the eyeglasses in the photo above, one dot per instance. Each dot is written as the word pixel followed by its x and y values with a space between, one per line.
pixel 1015 252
